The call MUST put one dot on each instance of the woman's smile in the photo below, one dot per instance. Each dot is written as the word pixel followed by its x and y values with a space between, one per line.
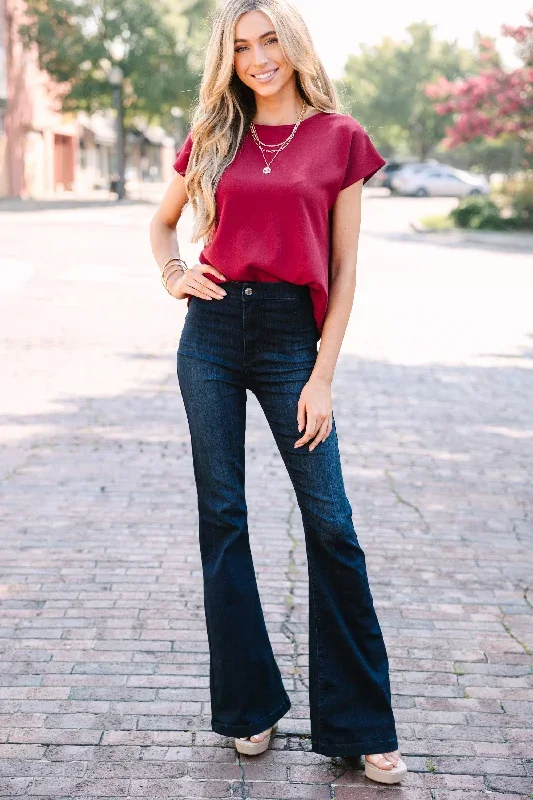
pixel 265 77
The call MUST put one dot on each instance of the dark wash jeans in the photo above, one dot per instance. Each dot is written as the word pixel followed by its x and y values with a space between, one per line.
pixel 263 337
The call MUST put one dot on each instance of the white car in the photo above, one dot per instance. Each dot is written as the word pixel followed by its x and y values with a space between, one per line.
pixel 429 180
pixel 385 175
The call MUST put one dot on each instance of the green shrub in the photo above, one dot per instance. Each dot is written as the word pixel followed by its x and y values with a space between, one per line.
pixel 492 221
pixel 513 210
pixel 471 208
pixel 522 206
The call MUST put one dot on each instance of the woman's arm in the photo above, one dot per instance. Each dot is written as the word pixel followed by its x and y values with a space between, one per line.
pixel 164 243
pixel 345 240
pixel 163 225
pixel 315 404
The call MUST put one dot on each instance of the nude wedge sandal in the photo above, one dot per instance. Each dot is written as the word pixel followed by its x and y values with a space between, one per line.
pixel 249 748
pixel 393 775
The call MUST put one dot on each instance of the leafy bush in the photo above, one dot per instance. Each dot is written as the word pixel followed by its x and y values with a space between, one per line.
pixel 483 214
pixel 472 208
pixel 522 205
pixel 490 220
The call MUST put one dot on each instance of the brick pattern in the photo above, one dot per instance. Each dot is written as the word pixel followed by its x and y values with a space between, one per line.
pixel 104 688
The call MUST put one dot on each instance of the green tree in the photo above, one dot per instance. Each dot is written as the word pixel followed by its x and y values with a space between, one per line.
pixel 384 85
pixel 79 40
pixel 505 155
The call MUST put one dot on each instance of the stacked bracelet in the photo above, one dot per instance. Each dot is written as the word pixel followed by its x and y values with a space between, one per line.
pixel 173 265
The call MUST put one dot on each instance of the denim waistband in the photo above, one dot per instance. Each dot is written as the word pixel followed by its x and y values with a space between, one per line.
pixel 265 289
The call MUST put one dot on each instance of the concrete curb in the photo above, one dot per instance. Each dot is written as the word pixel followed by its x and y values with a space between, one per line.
pixel 496 239
pixel 143 193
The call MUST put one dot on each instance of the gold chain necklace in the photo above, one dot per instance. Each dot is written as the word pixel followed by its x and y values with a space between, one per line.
pixel 276 148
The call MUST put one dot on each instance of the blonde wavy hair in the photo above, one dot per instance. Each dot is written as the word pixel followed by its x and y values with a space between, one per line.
pixel 226 106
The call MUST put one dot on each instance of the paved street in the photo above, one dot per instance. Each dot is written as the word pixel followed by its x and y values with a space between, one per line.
pixel 104 663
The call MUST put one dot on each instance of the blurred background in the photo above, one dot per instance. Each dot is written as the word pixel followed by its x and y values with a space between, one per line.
pixel 97 96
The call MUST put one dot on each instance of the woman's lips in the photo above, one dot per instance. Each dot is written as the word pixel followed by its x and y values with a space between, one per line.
pixel 270 75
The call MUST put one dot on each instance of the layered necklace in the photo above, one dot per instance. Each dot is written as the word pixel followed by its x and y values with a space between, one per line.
pixel 276 148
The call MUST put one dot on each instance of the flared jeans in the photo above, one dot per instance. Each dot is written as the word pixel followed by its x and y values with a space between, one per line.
pixel 263 337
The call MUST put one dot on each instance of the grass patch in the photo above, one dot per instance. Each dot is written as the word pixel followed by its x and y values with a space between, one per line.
pixel 438 222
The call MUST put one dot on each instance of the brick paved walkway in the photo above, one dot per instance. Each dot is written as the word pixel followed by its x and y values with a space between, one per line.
pixel 103 651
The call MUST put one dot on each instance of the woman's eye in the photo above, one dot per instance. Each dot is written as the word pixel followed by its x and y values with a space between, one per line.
pixel 243 47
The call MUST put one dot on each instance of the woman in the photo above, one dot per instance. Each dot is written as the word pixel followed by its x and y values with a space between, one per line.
pixel 274 171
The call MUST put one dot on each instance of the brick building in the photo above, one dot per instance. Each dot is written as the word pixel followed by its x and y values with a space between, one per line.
pixel 44 151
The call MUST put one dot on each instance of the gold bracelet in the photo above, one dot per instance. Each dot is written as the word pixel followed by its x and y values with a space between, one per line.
pixel 175 260
pixel 164 278
pixel 178 264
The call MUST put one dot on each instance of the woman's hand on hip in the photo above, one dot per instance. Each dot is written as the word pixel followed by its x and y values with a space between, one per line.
pixel 194 282
pixel 315 412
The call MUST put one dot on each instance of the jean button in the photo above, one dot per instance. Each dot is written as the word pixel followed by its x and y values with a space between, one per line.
pixel 248 290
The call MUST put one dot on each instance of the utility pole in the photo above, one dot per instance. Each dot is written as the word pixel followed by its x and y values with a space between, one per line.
pixel 115 77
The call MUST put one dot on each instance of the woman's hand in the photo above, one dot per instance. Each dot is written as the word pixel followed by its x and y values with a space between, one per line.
pixel 193 281
pixel 315 412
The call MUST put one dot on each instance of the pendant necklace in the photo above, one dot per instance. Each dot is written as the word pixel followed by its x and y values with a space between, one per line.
pixel 275 148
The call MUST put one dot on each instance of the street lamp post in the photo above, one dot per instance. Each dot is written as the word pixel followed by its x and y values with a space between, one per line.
pixel 115 78
pixel 177 113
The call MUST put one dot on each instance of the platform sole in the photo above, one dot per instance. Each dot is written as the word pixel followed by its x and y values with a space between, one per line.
pixel 393 775
pixel 249 748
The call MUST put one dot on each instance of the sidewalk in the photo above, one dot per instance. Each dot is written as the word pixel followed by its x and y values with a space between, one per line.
pixel 136 193
pixel 104 659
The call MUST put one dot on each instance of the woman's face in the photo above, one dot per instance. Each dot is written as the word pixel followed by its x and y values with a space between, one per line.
pixel 257 53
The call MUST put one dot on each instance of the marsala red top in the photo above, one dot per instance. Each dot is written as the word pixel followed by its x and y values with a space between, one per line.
pixel 277 227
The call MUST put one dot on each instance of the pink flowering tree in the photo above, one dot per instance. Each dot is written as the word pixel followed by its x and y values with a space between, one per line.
pixel 496 102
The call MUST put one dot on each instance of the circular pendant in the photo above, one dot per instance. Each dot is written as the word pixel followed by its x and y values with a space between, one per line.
pixel 266 170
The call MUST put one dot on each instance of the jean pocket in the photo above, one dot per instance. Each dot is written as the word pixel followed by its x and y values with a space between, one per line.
pixel 289 330
pixel 210 325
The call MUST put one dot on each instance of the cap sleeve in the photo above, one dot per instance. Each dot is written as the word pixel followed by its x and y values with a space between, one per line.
pixel 182 156
pixel 363 159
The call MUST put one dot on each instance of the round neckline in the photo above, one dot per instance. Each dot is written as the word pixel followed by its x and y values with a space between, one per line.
pixel 289 124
